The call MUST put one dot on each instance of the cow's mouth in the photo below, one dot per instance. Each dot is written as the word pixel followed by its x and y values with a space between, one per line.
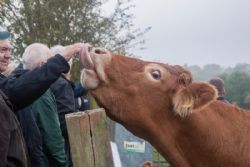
pixel 93 63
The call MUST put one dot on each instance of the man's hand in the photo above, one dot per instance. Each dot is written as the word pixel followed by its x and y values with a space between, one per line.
pixel 70 50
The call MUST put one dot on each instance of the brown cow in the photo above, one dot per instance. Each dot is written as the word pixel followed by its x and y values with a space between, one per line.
pixel 159 103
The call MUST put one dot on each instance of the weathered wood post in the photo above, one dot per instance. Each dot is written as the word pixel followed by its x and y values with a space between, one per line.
pixel 89 139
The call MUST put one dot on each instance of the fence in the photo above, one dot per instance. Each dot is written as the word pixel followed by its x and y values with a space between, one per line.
pixel 89 139
pixel 158 160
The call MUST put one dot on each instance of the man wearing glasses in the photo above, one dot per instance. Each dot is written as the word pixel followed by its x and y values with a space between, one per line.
pixel 5 50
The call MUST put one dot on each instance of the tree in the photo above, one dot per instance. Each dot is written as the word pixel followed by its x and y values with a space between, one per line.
pixel 195 70
pixel 242 67
pixel 205 73
pixel 238 88
pixel 63 22
pixel 211 70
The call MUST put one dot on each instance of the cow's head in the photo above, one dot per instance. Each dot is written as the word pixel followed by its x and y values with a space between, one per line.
pixel 138 93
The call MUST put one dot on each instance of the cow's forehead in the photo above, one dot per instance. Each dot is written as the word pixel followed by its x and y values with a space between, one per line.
pixel 132 61
pixel 127 64
pixel 155 66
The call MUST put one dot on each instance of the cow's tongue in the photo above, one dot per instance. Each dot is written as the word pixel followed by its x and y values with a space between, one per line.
pixel 85 58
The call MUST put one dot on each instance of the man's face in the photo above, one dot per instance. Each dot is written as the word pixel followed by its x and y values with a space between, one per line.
pixel 5 54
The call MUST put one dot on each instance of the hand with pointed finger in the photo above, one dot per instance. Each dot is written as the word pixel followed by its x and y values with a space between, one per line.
pixel 70 50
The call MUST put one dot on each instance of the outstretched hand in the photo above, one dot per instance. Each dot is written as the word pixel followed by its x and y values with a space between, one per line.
pixel 71 50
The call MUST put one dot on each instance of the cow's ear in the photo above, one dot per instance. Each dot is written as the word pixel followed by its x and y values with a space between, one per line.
pixel 193 97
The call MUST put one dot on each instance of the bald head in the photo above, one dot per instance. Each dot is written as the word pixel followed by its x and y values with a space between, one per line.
pixel 35 55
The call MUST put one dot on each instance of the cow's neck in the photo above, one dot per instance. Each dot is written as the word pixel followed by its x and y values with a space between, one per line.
pixel 163 139
pixel 195 139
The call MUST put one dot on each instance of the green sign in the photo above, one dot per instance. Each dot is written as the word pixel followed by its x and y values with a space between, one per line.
pixel 133 146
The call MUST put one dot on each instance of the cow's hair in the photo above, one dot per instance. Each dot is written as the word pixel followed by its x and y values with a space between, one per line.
pixel 184 76
pixel 193 97
pixel 185 79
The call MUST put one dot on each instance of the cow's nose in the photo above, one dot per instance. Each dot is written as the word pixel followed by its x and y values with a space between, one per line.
pixel 100 51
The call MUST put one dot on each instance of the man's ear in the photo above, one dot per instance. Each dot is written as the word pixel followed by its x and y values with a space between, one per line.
pixel 193 97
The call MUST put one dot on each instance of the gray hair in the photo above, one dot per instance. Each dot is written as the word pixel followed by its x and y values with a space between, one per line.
pixel 57 49
pixel 34 54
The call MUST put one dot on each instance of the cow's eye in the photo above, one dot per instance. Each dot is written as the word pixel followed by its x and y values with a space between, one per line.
pixel 156 74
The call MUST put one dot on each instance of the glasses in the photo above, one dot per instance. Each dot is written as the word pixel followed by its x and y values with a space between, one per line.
pixel 5 49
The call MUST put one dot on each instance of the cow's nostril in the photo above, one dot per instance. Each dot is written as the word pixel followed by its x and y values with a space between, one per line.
pixel 100 51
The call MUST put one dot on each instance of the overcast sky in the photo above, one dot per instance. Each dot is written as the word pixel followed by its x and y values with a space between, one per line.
pixel 195 31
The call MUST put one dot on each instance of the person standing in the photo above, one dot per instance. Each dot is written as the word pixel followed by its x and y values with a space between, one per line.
pixel 30 130
pixel 45 110
pixel 219 85
pixel 63 89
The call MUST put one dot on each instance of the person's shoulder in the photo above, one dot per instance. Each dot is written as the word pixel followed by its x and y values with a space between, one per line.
pixel 61 81
pixel 223 99
pixel 2 76
pixel 47 99
pixel 59 85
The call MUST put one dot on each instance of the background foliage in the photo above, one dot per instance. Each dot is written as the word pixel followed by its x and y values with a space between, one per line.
pixel 64 22
pixel 237 80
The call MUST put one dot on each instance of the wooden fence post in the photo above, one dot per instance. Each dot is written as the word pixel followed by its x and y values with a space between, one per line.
pixel 89 139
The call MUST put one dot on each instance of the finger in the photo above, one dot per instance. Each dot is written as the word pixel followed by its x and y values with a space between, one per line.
pixel 88 45
pixel 76 47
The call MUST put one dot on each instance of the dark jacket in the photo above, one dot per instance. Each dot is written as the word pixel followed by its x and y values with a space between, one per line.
pixel 81 97
pixel 12 145
pixel 79 90
pixel 65 101
pixel 65 93
pixel 21 92
pixel 32 136
pixel 30 130
pixel 25 89
pixel 62 88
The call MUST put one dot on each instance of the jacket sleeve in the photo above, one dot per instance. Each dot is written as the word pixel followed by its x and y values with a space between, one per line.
pixel 64 95
pixel 79 90
pixel 25 89
pixel 47 119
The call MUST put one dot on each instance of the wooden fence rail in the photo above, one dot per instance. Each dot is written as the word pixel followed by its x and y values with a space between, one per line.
pixel 89 139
